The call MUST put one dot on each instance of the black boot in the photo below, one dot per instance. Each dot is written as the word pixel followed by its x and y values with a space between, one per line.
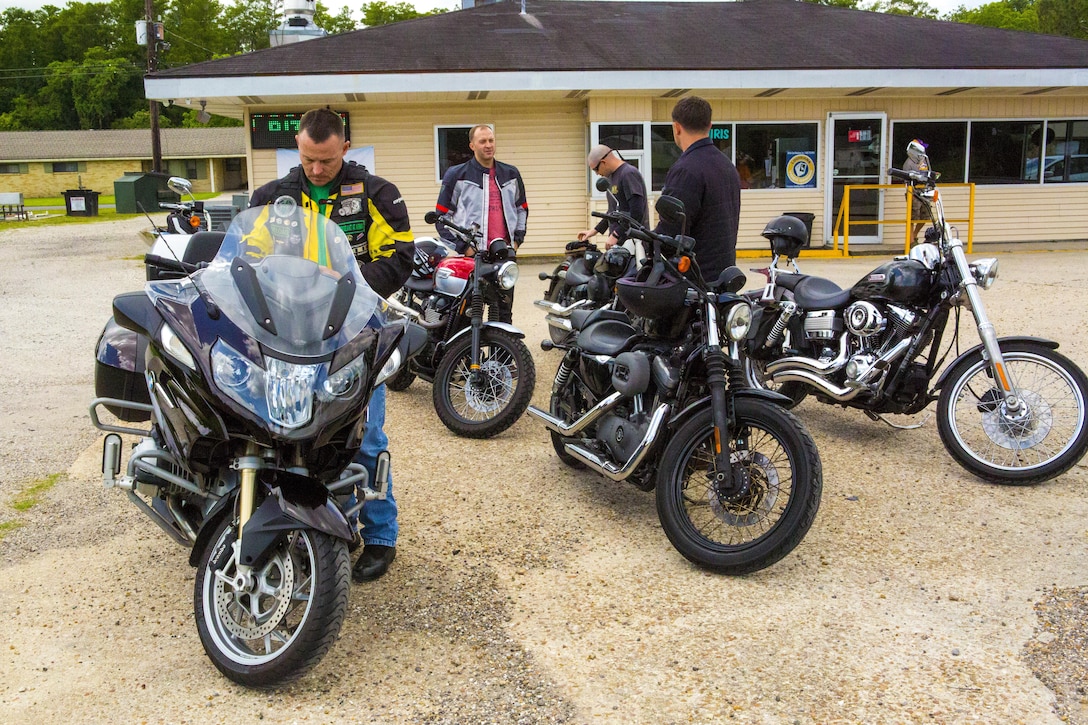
pixel 373 562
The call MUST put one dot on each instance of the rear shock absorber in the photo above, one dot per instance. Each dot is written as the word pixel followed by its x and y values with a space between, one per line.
pixel 788 310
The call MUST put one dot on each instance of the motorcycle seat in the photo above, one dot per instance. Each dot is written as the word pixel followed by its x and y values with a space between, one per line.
pixel 580 318
pixel 420 285
pixel 814 293
pixel 578 273
pixel 607 337
pixel 202 247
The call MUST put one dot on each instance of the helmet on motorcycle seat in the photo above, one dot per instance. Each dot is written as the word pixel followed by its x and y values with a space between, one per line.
pixel 787 235
pixel 614 262
pixel 428 253
pixel 645 297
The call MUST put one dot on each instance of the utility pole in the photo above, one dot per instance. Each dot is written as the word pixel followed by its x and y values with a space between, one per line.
pixel 152 64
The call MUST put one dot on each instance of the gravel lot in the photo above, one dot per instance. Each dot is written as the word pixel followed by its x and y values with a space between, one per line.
pixel 525 592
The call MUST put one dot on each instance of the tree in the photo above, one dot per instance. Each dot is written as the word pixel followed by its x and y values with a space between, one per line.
pixel 193 30
pixel 380 12
pixel 1005 14
pixel 334 24
pixel 247 24
pixel 914 8
pixel 1063 17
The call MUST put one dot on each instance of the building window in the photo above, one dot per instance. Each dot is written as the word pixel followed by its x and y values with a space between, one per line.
pixel 946 144
pixel 191 169
pixel 451 146
pixel 1066 157
pixel 13 168
pixel 1005 152
pixel 764 151
pixel 64 167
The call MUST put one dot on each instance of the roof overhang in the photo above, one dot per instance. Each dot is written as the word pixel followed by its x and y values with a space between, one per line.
pixel 223 93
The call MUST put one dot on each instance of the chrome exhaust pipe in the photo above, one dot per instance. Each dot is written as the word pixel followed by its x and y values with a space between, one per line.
pixel 811 364
pixel 567 431
pixel 610 470
pixel 854 387
pixel 563 323
pixel 558 309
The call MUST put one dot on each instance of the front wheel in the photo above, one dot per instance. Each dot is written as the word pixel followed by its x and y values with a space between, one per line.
pixel 764 505
pixel 487 402
pixel 1042 438
pixel 270 626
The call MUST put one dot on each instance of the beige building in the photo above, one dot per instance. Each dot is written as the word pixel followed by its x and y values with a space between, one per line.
pixel 47 163
pixel 807 100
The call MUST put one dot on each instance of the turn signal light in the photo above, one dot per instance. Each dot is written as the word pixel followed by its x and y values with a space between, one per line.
pixel 684 265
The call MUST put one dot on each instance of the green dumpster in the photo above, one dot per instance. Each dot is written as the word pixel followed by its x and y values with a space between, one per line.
pixel 137 192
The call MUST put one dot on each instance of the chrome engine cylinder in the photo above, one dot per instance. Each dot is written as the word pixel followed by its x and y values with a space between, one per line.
pixel 864 319
pixel 822 325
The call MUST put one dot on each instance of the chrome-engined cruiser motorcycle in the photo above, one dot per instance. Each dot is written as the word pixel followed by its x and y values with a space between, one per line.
pixel 254 370
pixel 656 397
pixel 1010 410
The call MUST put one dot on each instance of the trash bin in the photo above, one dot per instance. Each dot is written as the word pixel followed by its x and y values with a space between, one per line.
pixel 806 219
pixel 80 202
pixel 139 191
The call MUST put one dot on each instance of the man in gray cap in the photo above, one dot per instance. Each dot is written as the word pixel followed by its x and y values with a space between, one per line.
pixel 628 192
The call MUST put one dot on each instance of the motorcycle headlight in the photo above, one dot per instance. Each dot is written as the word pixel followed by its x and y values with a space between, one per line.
pixel 390 368
pixel 985 272
pixel 173 345
pixel 507 276
pixel 738 321
pixel 281 393
pixel 346 382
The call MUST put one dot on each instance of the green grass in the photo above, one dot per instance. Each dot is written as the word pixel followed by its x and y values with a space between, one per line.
pixel 30 496
pixel 6 527
pixel 59 218
pixel 102 199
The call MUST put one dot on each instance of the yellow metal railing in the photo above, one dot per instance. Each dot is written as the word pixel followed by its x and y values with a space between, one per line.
pixel 843 221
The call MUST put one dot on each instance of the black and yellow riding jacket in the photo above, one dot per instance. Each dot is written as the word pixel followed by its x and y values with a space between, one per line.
pixel 368 209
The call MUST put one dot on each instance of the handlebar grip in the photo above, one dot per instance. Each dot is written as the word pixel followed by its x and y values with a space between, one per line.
pixel 599 214
pixel 899 174
pixel 167 263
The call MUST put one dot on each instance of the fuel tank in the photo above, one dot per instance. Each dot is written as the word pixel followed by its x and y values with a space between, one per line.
pixel 903 281
pixel 451 275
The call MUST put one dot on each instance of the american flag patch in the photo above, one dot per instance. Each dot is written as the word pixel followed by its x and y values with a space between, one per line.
pixel 352 189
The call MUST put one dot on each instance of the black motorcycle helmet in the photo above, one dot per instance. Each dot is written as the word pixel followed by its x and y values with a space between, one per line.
pixel 787 235
pixel 614 262
pixel 652 293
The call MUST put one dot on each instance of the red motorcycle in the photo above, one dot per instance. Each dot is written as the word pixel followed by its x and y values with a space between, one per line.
pixel 482 373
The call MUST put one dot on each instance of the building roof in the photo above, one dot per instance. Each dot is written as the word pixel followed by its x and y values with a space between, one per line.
pixel 576 48
pixel 176 143
pixel 568 35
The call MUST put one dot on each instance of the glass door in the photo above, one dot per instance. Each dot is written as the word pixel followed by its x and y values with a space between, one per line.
pixel 857 157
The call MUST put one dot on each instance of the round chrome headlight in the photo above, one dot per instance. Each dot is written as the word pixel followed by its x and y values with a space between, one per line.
pixel 738 321
pixel 985 271
pixel 507 276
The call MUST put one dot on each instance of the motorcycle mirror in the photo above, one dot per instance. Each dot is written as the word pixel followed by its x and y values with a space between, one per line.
pixel 670 209
pixel 431 217
pixel 602 184
pixel 180 186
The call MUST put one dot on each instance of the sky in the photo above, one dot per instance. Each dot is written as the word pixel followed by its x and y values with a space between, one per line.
pixel 943 6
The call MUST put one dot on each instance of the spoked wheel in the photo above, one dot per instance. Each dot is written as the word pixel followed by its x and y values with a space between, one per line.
pixel 270 626
pixel 488 402
pixel 755 373
pixel 761 509
pixel 1041 437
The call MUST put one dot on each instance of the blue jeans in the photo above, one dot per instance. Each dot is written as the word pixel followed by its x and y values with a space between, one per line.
pixel 378 519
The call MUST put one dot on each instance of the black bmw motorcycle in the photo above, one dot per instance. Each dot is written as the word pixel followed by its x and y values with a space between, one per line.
pixel 253 371
pixel 1010 410
pixel 656 396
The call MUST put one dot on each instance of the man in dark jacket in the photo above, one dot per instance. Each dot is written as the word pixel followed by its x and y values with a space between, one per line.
pixel 627 193
pixel 372 214
pixel 707 182
pixel 490 194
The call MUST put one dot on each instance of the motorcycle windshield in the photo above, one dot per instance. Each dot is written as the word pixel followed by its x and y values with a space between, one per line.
pixel 287 277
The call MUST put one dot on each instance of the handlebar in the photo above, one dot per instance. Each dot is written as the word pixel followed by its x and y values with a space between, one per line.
pixel 171 264
pixel 470 234
pixel 635 230
pixel 914 177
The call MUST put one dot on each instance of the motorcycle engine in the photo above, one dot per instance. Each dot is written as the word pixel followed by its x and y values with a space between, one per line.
pixel 435 307
pixel 622 435
pixel 864 319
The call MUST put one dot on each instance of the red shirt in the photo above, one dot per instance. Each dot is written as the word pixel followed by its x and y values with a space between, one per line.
pixel 496 220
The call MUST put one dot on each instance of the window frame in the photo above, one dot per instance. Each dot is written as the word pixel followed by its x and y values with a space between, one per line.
pixel 438 172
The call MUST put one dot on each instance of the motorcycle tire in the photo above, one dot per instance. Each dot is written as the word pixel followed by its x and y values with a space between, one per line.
pixel 1047 440
pixel 486 408
pixel 559 293
pixel 757 528
pixel 402 380
pixel 755 375
pixel 303 592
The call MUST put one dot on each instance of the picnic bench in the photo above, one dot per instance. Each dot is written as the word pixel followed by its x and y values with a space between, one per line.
pixel 11 206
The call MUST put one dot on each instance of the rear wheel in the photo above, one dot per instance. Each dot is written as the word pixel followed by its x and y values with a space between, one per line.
pixel 270 626
pixel 761 509
pixel 486 403
pixel 1042 438
pixel 568 404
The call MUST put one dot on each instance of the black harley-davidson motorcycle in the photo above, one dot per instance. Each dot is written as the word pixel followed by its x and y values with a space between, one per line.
pixel 651 396
pixel 253 371
pixel 481 372
pixel 1010 410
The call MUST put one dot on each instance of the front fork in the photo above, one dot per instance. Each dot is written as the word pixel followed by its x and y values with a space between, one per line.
pixel 986 330
pixel 247 466
pixel 724 414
